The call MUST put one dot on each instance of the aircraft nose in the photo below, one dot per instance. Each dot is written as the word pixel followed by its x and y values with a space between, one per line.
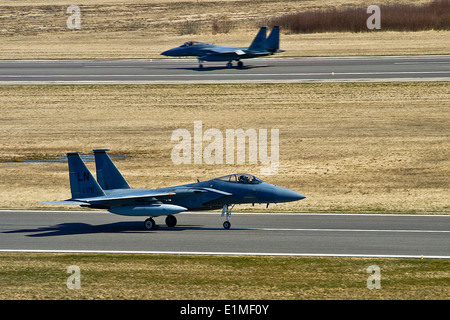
pixel 287 195
pixel 169 53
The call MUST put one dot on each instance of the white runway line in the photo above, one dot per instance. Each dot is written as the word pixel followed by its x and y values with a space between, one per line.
pixel 336 255
pixel 347 230
pixel 222 74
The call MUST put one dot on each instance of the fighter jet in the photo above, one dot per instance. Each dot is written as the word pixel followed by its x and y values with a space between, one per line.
pixel 261 46
pixel 112 192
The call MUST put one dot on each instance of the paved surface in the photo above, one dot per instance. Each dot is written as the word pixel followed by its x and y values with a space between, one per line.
pixel 252 233
pixel 318 69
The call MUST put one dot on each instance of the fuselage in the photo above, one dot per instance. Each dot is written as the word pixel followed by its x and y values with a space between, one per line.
pixel 204 196
pixel 211 52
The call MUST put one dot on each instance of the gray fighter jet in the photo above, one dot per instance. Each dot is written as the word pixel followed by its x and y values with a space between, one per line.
pixel 112 192
pixel 261 46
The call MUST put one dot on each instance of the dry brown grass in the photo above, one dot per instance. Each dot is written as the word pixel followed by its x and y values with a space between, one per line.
pixel 369 147
pixel 143 29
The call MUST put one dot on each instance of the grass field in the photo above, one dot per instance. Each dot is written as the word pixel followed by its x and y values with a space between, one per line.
pixel 43 276
pixel 349 147
pixel 143 29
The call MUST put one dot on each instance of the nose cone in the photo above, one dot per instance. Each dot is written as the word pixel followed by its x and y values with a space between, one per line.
pixel 286 195
pixel 170 53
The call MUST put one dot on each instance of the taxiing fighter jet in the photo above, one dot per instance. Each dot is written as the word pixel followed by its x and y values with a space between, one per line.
pixel 261 46
pixel 112 192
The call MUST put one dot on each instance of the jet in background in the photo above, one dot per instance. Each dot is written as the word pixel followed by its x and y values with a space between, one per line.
pixel 112 192
pixel 261 46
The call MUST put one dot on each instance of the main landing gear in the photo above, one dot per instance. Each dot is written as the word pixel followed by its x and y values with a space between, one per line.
pixel 150 224
pixel 226 211
pixel 171 221
pixel 240 64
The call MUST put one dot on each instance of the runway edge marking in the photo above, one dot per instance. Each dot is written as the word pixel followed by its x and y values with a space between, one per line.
pixel 240 213
pixel 230 254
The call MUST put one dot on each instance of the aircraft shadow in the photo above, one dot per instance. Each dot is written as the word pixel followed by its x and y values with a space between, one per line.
pixel 65 229
pixel 215 68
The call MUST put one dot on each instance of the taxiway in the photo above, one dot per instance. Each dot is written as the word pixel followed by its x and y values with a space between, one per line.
pixel 287 234
pixel 268 70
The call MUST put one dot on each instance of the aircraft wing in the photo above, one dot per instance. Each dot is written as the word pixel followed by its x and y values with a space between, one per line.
pixel 227 50
pixel 115 199
pixel 136 196
pixel 223 53
pixel 126 197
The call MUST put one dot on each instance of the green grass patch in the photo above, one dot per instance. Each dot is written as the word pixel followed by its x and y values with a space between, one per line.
pixel 125 276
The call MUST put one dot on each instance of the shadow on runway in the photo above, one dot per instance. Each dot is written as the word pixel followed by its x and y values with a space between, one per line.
pixel 215 68
pixel 65 229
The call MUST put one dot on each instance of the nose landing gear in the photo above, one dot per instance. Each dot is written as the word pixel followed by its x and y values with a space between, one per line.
pixel 226 211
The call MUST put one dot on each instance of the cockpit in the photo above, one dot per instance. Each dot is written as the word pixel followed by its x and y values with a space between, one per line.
pixel 244 178
pixel 191 43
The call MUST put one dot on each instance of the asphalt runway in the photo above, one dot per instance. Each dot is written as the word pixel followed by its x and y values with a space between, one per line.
pixel 268 70
pixel 378 235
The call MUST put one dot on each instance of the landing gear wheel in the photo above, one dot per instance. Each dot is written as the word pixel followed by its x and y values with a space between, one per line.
pixel 149 224
pixel 200 66
pixel 226 211
pixel 171 221
pixel 227 225
pixel 229 65
pixel 240 64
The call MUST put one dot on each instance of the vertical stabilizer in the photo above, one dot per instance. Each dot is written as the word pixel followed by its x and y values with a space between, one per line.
pixel 82 183
pixel 108 176
pixel 259 43
pixel 273 41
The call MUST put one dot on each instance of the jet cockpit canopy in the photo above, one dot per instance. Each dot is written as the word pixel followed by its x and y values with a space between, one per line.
pixel 244 178
pixel 191 43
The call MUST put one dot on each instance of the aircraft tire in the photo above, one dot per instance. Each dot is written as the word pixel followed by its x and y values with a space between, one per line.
pixel 227 225
pixel 149 224
pixel 171 221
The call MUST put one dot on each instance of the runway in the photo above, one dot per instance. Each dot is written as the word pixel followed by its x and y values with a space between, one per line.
pixel 289 234
pixel 268 70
